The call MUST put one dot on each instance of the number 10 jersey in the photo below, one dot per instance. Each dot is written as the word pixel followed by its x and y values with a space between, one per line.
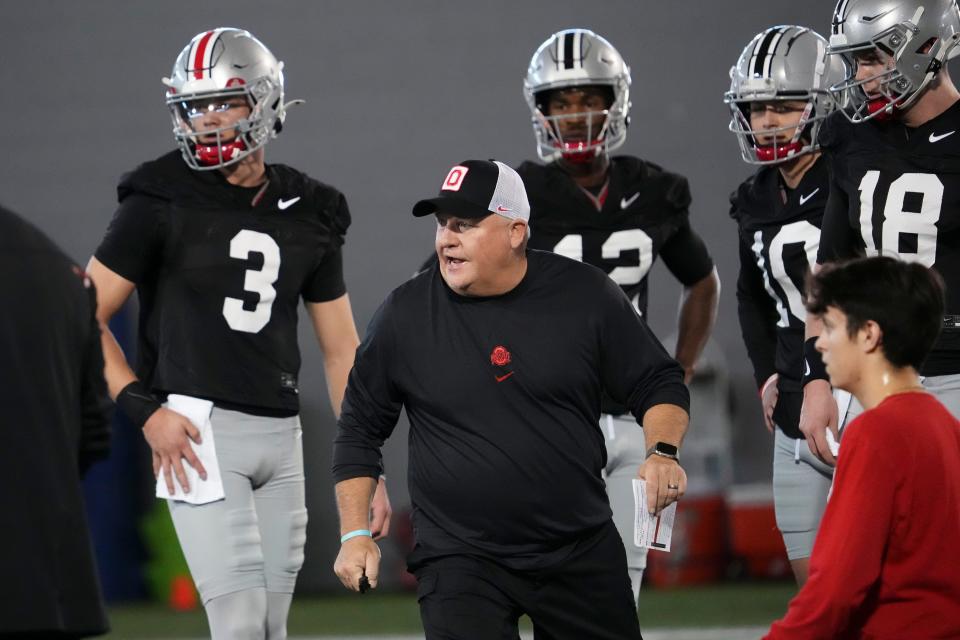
pixel 895 190
pixel 220 270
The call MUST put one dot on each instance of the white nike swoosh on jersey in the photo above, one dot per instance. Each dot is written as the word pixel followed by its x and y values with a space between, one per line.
pixel 937 138
pixel 807 364
pixel 284 204
pixel 803 199
pixel 626 202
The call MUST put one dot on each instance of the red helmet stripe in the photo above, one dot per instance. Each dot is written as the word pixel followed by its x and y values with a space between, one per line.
pixel 198 58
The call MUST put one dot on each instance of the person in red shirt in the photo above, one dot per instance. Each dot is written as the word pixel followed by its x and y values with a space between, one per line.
pixel 885 560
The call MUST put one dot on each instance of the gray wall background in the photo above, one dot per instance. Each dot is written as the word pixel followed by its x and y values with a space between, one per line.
pixel 396 92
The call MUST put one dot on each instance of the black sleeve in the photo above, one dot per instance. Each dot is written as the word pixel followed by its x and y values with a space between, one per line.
pixel 371 404
pixel 134 239
pixel 326 282
pixel 758 316
pixel 96 408
pixel 686 255
pixel 837 238
pixel 636 370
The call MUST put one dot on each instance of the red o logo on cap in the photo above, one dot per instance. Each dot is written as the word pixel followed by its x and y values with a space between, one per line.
pixel 454 178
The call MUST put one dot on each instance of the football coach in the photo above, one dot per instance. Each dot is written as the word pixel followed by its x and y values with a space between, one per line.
pixel 499 355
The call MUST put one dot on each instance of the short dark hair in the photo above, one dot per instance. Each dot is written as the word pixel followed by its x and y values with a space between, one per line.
pixel 905 299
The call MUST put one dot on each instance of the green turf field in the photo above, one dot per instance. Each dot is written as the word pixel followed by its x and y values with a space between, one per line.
pixel 719 606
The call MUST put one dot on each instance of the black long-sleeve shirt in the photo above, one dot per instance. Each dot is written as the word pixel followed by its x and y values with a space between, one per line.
pixel 503 397
pixel 56 422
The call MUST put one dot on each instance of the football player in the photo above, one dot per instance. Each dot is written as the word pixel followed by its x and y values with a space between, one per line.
pixel 220 248
pixel 778 98
pixel 895 184
pixel 618 213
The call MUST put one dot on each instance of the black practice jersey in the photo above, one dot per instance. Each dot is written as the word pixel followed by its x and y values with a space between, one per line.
pixel 220 271
pixel 503 397
pixel 779 237
pixel 643 213
pixel 895 191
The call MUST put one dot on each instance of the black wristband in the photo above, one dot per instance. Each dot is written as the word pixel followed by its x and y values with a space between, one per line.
pixel 813 367
pixel 137 403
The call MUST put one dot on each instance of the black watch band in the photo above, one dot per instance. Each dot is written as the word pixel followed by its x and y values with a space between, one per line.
pixel 664 450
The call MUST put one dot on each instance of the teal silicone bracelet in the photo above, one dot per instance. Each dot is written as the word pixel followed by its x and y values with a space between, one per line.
pixel 354 534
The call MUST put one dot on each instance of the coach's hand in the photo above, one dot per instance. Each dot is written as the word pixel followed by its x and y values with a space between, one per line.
pixel 819 413
pixel 358 556
pixel 380 511
pixel 168 433
pixel 666 482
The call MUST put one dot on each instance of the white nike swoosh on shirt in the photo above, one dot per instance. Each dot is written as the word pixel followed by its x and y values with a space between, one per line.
pixel 803 199
pixel 284 204
pixel 626 202
pixel 807 367
pixel 937 138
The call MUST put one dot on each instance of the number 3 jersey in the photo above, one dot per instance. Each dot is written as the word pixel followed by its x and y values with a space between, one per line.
pixel 641 213
pixel 895 191
pixel 779 232
pixel 220 270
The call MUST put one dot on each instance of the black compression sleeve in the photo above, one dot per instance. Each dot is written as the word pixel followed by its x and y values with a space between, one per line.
pixel 686 256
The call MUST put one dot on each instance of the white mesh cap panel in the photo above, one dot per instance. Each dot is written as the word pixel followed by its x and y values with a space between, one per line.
pixel 510 197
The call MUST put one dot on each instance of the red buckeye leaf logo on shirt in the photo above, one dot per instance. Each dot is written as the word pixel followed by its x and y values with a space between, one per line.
pixel 499 356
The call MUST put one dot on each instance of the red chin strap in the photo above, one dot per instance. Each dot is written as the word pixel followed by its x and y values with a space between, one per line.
pixel 771 152
pixel 208 155
pixel 877 105
pixel 579 152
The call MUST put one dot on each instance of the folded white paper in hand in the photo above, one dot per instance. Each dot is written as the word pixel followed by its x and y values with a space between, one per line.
pixel 649 531
pixel 198 412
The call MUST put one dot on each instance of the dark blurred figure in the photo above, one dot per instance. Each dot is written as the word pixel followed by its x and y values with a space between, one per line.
pixel 55 424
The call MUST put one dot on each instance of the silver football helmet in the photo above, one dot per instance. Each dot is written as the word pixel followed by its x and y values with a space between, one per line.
pixel 782 63
pixel 216 67
pixel 578 58
pixel 917 36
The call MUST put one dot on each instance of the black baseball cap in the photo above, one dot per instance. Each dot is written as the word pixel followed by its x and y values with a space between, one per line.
pixel 477 188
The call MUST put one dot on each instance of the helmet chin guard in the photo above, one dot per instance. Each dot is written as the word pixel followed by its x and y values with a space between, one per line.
pixel 770 153
pixel 579 152
pixel 214 155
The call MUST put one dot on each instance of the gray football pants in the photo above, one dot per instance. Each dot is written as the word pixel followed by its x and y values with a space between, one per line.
pixel 254 538
pixel 626 451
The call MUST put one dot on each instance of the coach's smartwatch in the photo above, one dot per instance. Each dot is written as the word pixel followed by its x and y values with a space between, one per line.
pixel 664 450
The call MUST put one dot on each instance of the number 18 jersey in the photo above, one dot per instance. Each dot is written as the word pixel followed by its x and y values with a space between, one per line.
pixel 220 270
pixel 895 191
